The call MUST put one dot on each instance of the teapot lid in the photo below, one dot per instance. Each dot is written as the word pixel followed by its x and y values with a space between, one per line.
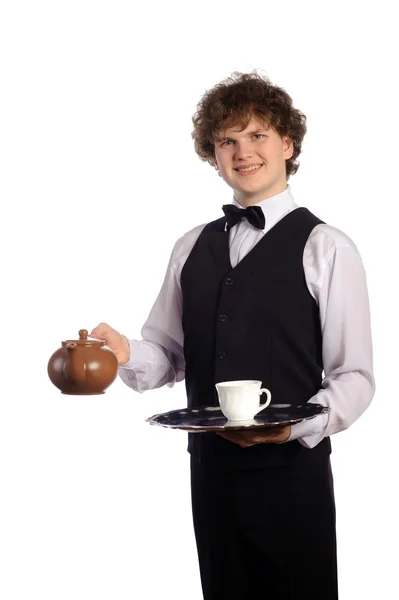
pixel 84 340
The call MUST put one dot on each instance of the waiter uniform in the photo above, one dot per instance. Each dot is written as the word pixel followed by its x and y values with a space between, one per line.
pixel 264 516
pixel 257 321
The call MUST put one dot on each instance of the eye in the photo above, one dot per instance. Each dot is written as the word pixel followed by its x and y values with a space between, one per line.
pixel 227 142
pixel 257 136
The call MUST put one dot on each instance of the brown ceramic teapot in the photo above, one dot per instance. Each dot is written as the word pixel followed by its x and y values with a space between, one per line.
pixel 83 366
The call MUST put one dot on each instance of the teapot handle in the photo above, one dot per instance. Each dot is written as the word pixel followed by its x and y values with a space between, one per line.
pixel 74 367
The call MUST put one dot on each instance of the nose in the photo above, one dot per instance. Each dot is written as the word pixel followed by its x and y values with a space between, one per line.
pixel 243 150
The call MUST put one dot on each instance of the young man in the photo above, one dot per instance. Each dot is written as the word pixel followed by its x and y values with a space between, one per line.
pixel 268 292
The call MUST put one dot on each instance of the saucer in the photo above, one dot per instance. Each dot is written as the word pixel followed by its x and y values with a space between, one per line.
pixel 211 418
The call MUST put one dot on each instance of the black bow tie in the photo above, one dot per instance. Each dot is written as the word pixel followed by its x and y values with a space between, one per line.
pixel 254 215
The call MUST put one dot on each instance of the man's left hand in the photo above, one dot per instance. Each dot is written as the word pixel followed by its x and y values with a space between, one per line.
pixel 267 435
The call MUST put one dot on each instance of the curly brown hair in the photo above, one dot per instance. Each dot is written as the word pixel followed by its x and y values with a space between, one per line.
pixel 234 101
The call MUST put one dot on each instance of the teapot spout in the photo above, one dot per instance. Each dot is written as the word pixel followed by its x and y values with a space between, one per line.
pixel 74 367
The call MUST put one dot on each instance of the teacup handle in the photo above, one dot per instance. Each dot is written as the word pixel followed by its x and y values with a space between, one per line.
pixel 269 397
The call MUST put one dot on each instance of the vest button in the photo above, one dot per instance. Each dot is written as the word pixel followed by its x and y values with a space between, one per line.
pixel 221 355
pixel 222 318
pixel 228 281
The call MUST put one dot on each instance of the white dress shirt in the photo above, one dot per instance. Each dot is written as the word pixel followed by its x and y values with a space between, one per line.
pixel 335 277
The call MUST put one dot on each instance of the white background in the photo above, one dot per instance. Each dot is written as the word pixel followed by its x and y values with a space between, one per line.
pixel 98 179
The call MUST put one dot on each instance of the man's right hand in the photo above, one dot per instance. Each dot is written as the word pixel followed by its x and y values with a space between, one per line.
pixel 114 340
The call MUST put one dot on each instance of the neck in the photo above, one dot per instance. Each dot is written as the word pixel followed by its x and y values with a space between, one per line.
pixel 247 199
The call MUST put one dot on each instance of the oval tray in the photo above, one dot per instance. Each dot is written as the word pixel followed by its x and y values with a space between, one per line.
pixel 211 418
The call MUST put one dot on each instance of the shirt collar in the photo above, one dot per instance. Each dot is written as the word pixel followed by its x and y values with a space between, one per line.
pixel 276 207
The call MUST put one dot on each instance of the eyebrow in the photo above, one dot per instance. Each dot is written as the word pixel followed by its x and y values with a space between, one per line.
pixel 253 132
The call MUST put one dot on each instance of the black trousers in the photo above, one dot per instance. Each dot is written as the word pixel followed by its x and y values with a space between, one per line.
pixel 266 534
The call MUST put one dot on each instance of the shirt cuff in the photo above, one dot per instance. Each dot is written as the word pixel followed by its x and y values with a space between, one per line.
pixel 137 359
pixel 309 433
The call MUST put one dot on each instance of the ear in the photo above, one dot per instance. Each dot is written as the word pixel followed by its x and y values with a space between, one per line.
pixel 288 145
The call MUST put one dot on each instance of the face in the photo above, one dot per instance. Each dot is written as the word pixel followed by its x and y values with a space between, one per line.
pixel 252 161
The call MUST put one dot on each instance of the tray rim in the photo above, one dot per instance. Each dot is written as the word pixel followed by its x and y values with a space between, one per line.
pixel 232 427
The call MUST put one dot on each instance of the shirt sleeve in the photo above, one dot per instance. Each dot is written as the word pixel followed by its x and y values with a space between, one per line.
pixel 158 359
pixel 336 278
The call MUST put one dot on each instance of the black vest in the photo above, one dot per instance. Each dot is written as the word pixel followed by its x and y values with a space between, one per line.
pixel 256 321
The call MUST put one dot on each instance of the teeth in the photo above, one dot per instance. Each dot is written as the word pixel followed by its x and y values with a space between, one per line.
pixel 249 168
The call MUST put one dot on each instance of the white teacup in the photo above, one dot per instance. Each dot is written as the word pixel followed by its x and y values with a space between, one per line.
pixel 239 400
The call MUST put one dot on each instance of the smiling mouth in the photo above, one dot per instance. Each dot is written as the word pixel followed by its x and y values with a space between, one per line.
pixel 248 169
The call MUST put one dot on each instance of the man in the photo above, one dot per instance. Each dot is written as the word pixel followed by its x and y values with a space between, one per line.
pixel 266 292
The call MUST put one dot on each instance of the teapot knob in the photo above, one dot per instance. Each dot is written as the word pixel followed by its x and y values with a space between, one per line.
pixel 83 333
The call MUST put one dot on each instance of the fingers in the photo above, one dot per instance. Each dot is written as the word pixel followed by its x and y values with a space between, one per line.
pixel 236 437
pixel 102 331
pixel 114 340
pixel 258 436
